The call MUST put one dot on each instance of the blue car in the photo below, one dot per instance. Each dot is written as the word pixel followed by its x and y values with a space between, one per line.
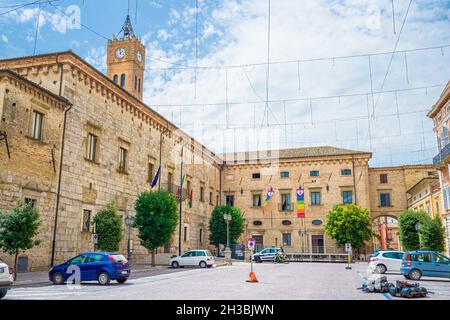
pixel 95 266
pixel 418 264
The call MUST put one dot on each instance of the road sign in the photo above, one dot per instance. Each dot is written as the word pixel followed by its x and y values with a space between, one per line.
pixel 95 238
pixel 251 243
pixel 348 247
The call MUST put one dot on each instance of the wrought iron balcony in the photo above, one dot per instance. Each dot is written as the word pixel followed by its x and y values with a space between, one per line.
pixel 442 156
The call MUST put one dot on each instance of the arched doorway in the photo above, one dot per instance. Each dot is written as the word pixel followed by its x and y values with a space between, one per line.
pixel 386 233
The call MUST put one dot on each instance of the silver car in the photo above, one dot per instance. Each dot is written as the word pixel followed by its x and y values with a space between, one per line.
pixel 6 279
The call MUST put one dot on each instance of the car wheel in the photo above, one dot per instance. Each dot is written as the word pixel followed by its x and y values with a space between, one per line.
pixel 415 275
pixel 58 278
pixel 121 281
pixel 103 279
pixel 381 268
pixel 202 264
pixel 175 265
pixel 3 293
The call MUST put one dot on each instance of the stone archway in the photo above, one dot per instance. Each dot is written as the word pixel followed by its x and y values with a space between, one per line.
pixel 386 230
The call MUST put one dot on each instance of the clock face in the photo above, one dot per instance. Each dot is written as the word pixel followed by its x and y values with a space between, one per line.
pixel 139 56
pixel 120 53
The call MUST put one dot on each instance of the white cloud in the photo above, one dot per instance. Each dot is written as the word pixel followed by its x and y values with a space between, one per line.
pixel 302 30
pixel 4 38
pixel 97 58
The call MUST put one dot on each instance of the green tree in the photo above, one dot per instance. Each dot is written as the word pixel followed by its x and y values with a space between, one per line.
pixel 349 224
pixel 18 229
pixel 156 219
pixel 109 228
pixel 432 235
pixel 409 235
pixel 218 225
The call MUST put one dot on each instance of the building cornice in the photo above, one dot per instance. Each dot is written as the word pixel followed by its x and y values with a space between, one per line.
pixel 443 99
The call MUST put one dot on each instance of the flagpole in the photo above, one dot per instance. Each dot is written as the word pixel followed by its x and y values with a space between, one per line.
pixel 181 204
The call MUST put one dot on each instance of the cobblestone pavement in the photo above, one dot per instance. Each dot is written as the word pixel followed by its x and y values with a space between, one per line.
pixel 276 281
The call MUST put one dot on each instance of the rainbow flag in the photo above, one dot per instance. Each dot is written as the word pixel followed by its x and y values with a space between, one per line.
pixel 300 203
pixel 268 197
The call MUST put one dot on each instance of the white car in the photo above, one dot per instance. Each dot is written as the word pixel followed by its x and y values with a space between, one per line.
pixel 201 258
pixel 6 279
pixel 383 261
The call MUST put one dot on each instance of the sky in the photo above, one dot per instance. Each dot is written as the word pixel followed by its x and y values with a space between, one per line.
pixel 331 80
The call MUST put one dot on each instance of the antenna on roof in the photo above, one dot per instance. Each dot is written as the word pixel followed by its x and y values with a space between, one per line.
pixel 127 29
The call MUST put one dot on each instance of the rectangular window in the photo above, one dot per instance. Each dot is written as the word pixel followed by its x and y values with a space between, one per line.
pixel 256 176
pixel 383 178
pixel 123 153
pixel 284 174
pixel 86 227
pixel 256 200
pixel 31 202
pixel 229 200
pixel 287 239
pixel 37 121
pixel 346 172
pixel 314 173
pixel 315 198
pixel 185 233
pixel 170 182
pixel 188 186
pixel 150 172
pixel 202 194
pixel 92 147
pixel 217 199
pixel 286 202
pixel 200 236
pixel 347 197
pixel 210 198
pixel 385 199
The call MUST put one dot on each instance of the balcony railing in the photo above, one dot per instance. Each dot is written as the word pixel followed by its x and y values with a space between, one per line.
pixel 285 207
pixel 445 152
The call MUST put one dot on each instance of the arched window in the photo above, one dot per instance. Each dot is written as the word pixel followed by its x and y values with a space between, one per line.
pixel 139 85
pixel 135 83
pixel 122 80
pixel 116 78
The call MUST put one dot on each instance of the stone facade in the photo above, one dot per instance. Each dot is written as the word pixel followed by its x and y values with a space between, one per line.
pixel 29 172
pixel 114 144
pixel 118 120
pixel 440 114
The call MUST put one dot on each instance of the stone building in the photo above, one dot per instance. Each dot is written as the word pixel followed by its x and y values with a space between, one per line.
pixel 112 144
pixel 73 139
pixel 440 114
pixel 330 176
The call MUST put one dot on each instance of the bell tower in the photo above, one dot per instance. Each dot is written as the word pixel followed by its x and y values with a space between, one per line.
pixel 126 60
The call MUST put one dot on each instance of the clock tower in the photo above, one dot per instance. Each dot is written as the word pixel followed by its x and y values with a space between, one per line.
pixel 126 60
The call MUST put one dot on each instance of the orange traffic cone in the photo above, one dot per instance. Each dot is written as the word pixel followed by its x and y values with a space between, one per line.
pixel 252 277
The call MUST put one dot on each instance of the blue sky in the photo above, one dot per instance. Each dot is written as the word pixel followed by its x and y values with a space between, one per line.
pixel 234 32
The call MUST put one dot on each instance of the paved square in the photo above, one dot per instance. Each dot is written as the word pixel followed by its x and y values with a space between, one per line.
pixel 294 281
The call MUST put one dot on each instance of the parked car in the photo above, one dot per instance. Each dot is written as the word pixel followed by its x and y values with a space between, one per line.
pixel 422 263
pixel 100 266
pixel 267 254
pixel 6 279
pixel 201 258
pixel 383 261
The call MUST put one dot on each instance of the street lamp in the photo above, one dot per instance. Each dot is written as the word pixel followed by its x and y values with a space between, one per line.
pixel 129 221
pixel 228 218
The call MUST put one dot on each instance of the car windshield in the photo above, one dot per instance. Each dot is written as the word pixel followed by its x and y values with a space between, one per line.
pixel 376 254
pixel 209 253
